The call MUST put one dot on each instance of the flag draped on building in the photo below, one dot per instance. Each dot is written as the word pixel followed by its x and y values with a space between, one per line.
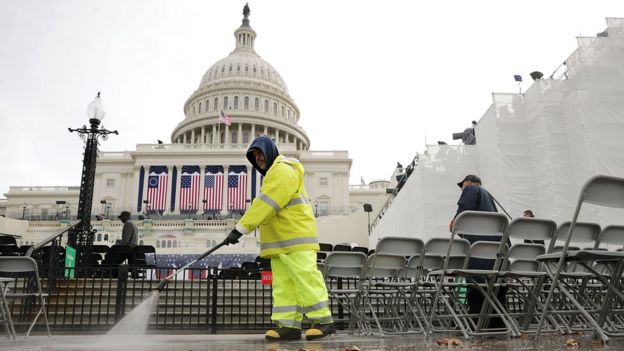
pixel 189 188
pixel 237 188
pixel 225 118
pixel 213 188
pixel 157 188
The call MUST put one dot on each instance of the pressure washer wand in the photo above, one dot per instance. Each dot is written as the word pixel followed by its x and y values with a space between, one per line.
pixel 164 282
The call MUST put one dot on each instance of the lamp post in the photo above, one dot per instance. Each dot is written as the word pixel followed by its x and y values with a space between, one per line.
pixel 188 209
pixel 108 206
pixel 23 211
pixel 82 234
pixel 368 208
pixel 315 208
pixel 103 202
pixel 204 201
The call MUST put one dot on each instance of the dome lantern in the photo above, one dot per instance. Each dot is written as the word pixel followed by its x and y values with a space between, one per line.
pixel 245 35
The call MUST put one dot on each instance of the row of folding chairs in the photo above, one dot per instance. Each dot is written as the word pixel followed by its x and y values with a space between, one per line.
pixel 408 286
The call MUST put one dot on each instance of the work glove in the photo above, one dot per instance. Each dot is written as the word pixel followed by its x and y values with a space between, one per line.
pixel 233 237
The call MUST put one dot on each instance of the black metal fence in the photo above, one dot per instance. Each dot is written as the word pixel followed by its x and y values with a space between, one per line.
pixel 97 298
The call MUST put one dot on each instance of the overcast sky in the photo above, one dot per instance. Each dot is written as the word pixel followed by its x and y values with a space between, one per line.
pixel 376 78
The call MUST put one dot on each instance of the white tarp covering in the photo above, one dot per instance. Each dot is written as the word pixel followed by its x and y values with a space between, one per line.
pixel 533 151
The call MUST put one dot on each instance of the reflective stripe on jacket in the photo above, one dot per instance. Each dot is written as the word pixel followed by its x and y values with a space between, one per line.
pixel 282 211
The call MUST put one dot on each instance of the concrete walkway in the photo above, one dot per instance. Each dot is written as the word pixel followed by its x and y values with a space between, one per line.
pixel 340 342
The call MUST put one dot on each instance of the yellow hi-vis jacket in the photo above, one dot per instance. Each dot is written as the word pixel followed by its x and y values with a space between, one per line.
pixel 282 211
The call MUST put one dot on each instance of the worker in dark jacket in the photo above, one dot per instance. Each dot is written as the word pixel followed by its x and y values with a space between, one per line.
pixel 476 198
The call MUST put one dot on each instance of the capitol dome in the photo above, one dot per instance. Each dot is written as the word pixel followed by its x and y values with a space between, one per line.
pixel 249 91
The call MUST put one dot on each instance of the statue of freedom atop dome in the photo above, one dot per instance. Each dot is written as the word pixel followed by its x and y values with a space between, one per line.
pixel 246 10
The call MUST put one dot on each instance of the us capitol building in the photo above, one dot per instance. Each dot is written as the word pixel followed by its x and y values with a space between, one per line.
pixel 185 196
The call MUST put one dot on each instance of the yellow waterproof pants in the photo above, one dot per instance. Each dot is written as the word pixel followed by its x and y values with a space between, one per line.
pixel 298 289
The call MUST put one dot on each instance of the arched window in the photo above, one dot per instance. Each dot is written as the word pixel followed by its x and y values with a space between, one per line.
pixel 230 68
pixel 266 106
pixel 105 237
pixel 234 137
pixel 246 68
pixel 289 114
pixel 256 104
pixel 275 108
pixel 238 68
pixel 99 237
pixel 175 243
pixel 200 108
pixel 235 102
pixel 225 103
pixel 215 105
pixel 282 111
pixel 157 243
pixel 168 243
pixel 206 108
pixel 246 102
pixel 193 109
pixel 245 137
pixel 254 69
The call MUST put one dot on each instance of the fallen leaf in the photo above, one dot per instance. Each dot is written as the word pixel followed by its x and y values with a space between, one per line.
pixel 444 342
pixel 572 343
pixel 598 343
pixel 455 342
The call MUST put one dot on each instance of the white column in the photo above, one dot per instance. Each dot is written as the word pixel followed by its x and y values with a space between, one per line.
pixel 135 188
pixel 145 183
pixel 240 133
pixel 227 135
pixel 184 138
pixel 253 132
pixel 177 187
pixel 277 139
pixel 202 179
pixel 214 134
pixel 169 181
pixel 193 136
pixel 224 205
pixel 203 135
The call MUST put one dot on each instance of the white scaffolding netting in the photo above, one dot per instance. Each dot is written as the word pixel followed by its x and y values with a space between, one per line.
pixel 533 151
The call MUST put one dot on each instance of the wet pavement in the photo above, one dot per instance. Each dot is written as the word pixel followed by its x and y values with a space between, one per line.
pixel 340 342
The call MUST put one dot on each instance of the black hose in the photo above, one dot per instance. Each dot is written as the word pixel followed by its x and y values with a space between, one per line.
pixel 165 281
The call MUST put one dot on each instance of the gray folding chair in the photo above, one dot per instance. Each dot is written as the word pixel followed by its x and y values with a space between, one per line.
pixel 477 226
pixel 343 272
pixel 603 191
pixel 436 250
pixel 5 310
pixel 26 268
pixel 385 294
pixel 525 276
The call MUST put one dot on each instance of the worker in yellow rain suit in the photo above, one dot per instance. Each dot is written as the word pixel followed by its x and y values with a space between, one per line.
pixel 288 237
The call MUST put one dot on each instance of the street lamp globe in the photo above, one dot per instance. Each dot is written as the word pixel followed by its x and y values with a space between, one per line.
pixel 95 109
